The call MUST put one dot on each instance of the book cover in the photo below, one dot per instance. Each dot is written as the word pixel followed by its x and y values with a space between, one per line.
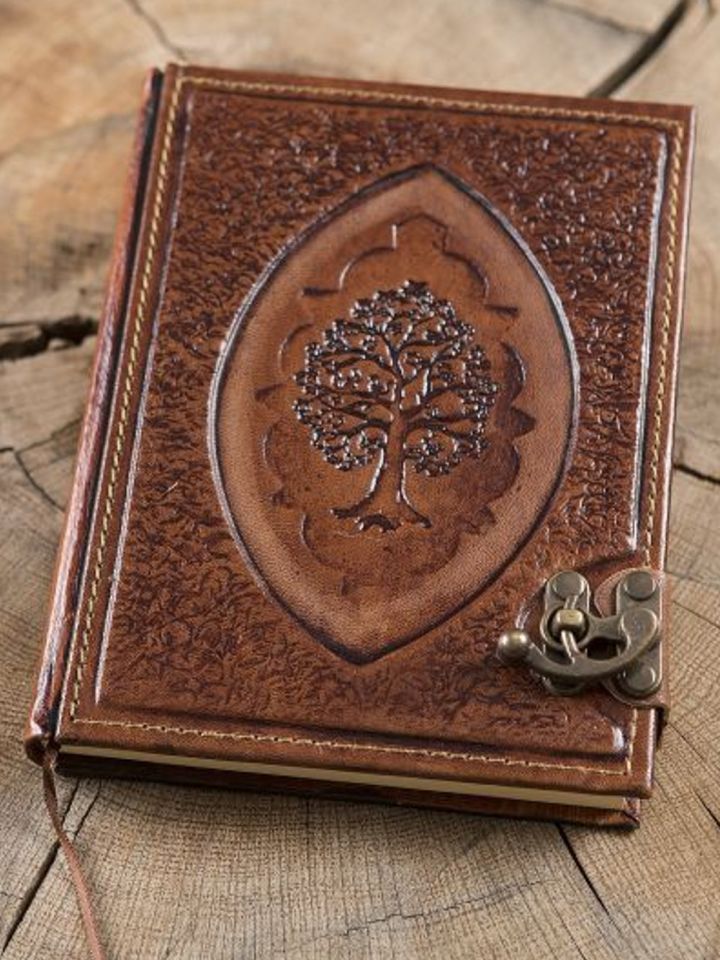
pixel 378 365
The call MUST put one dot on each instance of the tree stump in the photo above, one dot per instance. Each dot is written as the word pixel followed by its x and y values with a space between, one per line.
pixel 187 873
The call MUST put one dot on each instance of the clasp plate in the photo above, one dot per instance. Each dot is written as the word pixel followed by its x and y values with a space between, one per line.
pixel 578 648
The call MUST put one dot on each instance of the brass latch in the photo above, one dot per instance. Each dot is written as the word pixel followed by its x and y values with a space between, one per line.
pixel 577 647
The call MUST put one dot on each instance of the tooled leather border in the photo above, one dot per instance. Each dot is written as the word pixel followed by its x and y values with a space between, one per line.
pixel 668 125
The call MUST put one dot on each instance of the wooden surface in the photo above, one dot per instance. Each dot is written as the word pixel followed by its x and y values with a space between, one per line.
pixel 189 873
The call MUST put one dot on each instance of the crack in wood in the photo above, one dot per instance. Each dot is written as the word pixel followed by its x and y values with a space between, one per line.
pixel 713 816
pixel 694 613
pixel 697 474
pixel 674 727
pixel 54 435
pixel 33 889
pixel 29 896
pixel 35 484
pixel 157 30
pixel 581 869
pixel 602 20
pixel 45 867
pixel 644 52
pixel 27 339
pixel 481 900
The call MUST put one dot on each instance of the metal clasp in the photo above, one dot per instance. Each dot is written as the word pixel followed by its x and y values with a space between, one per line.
pixel 578 648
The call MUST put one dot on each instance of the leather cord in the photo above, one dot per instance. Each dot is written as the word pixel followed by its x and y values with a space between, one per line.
pixel 82 890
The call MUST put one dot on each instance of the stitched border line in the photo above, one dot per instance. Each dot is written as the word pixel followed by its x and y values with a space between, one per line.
pixel 360 95
pixel 667 311
pixel 370 747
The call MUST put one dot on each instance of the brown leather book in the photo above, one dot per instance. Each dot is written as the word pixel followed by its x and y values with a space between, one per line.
pixel 371 495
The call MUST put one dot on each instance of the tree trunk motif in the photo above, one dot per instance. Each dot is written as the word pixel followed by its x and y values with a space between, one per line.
pixel 386 504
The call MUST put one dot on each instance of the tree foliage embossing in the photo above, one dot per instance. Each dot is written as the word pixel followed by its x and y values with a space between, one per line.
pixel 400 382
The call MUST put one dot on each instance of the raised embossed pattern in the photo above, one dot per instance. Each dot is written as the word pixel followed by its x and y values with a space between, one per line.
pixel 426 398
pixel 196 632
pixel 401 382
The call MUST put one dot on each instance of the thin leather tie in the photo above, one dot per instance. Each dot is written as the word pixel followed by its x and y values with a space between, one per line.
pixel 82 890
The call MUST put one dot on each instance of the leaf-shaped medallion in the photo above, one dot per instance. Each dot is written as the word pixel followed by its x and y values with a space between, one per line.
pixel 392 412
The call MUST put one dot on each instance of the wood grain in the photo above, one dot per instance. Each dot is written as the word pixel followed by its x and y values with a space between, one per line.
pixel 194 873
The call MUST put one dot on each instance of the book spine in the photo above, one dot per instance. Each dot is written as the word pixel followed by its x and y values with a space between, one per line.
pixel 40 728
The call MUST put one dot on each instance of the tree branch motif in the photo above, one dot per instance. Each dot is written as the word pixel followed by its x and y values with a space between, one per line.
pixel 400 381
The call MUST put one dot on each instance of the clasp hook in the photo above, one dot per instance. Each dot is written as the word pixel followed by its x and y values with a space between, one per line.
pixel 577 647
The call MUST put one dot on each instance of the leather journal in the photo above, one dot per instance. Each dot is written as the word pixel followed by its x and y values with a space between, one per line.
pixel 372 490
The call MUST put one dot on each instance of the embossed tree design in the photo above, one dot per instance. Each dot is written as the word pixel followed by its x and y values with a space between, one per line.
pixel 400 382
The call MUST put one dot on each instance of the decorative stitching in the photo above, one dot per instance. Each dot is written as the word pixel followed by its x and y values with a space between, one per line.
pixel 668 295
pixel 372 748
pixel 470 106
pixel 125 399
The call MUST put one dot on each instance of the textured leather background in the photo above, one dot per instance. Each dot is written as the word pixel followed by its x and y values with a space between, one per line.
pixel 176 635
